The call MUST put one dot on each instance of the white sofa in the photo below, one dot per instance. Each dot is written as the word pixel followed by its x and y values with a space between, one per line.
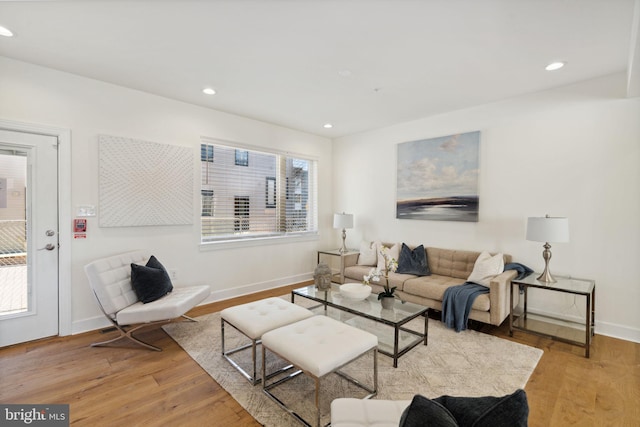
pixel 511 410
pixel 350 412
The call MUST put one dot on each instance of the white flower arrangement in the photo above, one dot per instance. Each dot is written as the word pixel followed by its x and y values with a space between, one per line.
pixel 375 274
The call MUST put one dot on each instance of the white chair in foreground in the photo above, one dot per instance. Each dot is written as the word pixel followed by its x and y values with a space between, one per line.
pixel 110 279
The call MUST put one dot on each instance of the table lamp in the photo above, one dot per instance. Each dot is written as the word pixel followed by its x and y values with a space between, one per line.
pixel 343 221
pixel 547 229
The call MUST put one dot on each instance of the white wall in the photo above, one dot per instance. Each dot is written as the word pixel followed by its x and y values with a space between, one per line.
pixel 87 107
pixel 570 152
pixel 573 151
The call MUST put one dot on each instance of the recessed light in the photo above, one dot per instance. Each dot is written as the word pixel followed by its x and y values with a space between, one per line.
pixel 327 126
pixel 209 91
pixel 5 32
pixel 554 66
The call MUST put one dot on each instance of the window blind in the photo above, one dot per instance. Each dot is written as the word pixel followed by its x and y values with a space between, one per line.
pixel 253 194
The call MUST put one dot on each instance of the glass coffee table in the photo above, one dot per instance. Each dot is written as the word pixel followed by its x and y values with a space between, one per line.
pixel 369 314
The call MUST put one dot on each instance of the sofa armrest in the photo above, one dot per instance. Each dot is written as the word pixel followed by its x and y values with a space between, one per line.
pixel 351 260
pixel 499 296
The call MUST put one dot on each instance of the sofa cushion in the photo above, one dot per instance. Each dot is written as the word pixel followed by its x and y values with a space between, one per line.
pixel 351 412
pixel 178 302
pixel 452 263
pixel 151 281
pixel 486 268
pixel 368 254
pixel 413 261
pixel 426 412
pixel 433 287
pixel 393 252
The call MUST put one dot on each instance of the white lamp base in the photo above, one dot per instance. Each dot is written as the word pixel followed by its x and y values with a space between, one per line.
pixel 546 274
pixel 343 249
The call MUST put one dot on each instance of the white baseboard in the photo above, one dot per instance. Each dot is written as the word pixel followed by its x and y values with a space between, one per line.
pixel 618 331
pixel 256 287
pixel 602 328
pixel 100 322
pixel 90 324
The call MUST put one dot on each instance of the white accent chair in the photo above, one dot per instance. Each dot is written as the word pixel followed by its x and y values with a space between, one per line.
pixel 110 279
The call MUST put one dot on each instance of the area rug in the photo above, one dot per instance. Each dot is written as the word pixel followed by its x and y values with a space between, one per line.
pixel 467 363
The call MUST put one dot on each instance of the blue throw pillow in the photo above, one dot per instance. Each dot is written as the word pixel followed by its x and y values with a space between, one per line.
pixel 425 412
pixel 150 282
pixel 507 411
pixel 413 261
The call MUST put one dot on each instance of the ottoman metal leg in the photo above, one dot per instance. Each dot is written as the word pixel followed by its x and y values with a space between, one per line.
pixel 267 387
pixel 226 353
pixel 253 379
pixel 254 319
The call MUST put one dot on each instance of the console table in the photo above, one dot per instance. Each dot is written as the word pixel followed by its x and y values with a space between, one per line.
pixel 339 276
pixel 572 332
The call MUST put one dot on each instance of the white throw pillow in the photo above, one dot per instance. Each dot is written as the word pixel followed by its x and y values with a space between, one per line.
pixel 368 254
pixel 393 252
pixel 486 268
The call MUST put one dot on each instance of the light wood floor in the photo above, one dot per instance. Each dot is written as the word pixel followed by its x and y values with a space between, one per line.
pixel 132 386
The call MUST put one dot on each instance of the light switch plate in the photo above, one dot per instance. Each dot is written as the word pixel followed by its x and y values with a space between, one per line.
pixel 85 210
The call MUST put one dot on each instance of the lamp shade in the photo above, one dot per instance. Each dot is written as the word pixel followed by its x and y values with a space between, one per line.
pixel 548 229
pixel 342 220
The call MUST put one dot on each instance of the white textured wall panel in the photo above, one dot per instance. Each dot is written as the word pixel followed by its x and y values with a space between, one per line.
pixel 144 183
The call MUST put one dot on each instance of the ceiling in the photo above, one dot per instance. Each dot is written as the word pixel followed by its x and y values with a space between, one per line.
pixel 358 64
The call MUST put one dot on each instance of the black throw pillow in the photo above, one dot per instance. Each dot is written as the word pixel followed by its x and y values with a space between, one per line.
pixel 150 282
pixel 423 412
pixel 413 261
pixel 507 411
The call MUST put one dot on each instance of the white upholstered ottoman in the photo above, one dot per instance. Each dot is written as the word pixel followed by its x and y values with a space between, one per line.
pixel 254 319
pixel 319 346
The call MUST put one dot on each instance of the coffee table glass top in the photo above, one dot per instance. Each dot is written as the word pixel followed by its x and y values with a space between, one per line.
pixel 369 307
pixel 369 315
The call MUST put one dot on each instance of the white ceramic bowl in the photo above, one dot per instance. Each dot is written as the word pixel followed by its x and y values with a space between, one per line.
pixel 355 291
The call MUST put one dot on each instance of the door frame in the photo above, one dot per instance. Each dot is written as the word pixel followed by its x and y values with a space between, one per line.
pixel 64 213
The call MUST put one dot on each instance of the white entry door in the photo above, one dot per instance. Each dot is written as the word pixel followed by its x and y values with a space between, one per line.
pixel 28 237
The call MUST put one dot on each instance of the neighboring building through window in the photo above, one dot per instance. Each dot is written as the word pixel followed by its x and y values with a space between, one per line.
pixel 207 202
pixel 242 158
pixel 273 195
pixel 270 192
pixel 206 153
pixel 241 213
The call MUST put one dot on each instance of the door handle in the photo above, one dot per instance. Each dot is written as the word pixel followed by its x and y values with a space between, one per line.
pixel 48 247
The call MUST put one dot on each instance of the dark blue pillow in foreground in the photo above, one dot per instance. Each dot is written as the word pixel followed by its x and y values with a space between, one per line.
pixel 413 261
pixel 448 411
pixel 150 282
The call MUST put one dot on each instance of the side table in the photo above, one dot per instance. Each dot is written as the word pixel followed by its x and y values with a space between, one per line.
pixel 339 276
pixel 571 332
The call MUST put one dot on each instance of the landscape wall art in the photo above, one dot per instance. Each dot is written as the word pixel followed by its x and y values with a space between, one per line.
pixel 437 178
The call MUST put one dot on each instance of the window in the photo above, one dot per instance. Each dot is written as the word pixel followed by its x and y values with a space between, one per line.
pixel 207 202
pixel 206 153
pixel 273 196
pixel 270 192
pixel 242 158
pixel 241 214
